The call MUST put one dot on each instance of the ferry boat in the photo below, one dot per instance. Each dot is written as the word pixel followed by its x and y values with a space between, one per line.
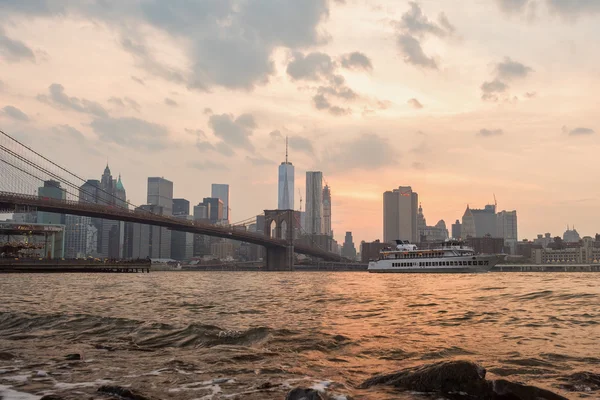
pixel 451 256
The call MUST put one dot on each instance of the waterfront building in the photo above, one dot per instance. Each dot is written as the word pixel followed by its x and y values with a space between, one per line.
pixel 285 186
pixel 370 250
pixel 486 244
pixel 585 252
pixel 327 211
pixel 222 249
pixel 182 243
pixel 543 240
pixel 314 203
pixel 81 237
pixel 348 249
pixel 400 211
pixel 221 191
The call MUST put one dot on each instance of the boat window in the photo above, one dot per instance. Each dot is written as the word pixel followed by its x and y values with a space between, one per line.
pixel 480 262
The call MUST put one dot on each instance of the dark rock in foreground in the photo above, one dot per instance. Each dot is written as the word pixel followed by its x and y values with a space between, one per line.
pixel 304 394
pixel 456 377
pixel 73 357
pixel 52 397
pixel 123 393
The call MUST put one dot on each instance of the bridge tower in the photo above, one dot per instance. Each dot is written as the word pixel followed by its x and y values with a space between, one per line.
pixel 280 258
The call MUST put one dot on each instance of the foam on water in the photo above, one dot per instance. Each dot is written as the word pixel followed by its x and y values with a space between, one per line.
pixel 6 393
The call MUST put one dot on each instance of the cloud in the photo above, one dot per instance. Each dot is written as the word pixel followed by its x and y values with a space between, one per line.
pixel 413 52
pixel 125 102
pixel 58 98
pixel 260 161
pixel 490 89
pixel 512 6
pixel 149 63
pixel 509 69
pixel 70 133
pixel 15 113
pixel 321 103
pixel 418 165
pixel 170 102
pixel 579 131
pixel 208 166
pixel 490 132
pixel 234 132
pixel 227 43
pixel 414 103
pixel 275 134
pixel 301 143
pixel 530 95
pixel 416 23
pixel 357 61
pixel 314 66
pixel 413 27
pixel 572 8
pixel 131 132
pixel 12 50
pixel 367 151
pixel 138 80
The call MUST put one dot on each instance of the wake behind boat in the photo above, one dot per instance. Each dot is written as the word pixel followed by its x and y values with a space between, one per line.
pixel 451 256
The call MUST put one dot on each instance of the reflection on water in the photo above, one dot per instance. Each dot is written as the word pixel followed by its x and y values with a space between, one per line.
pixel 177 332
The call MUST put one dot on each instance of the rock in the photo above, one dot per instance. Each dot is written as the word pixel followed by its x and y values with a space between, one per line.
pixel 123 393
pixel 459 377
pixel 503 389
pixel 5 356
pixel 52 397
pixel 73 357
pixel 582 382
pixel 304 394
pixel 445 377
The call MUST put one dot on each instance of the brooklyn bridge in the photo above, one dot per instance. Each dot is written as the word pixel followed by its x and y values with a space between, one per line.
pixel 23 169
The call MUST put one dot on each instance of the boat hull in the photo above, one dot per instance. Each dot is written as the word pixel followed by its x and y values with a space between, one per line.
pixel 472 264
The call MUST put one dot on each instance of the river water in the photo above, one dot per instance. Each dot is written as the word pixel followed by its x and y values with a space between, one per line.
pixel 246 335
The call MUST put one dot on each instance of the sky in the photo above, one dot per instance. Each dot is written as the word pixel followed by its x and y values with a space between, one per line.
pixel 461 101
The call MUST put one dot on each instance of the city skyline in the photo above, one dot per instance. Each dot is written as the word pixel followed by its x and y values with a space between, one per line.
pixel 468 116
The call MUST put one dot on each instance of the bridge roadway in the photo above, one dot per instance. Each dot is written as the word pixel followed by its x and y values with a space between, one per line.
pixel 10 202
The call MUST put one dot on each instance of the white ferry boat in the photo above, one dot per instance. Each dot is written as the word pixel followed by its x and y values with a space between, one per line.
pixel 451 256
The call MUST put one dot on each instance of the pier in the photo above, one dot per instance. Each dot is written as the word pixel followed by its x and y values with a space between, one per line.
pixel 72 266
pixel 546 268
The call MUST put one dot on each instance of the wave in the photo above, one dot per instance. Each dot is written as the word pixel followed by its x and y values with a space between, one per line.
pixel 139 334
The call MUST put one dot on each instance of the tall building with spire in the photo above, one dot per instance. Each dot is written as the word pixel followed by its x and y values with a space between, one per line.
pixel 327 211
pixel 285 196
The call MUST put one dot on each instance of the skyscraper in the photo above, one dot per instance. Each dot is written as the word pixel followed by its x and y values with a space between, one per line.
pixel 400 211
pixel 506 225
pixel 160 195
pixel 327 211
pixel 314 202
pixel 221 191
pixel 479 222
pixel 181 207
pixel 214 206
pixel 348 249
pixel 52 190
pixel 456 230
pixel 285 197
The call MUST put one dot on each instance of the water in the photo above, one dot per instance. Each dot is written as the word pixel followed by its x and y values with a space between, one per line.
pixel 214 335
